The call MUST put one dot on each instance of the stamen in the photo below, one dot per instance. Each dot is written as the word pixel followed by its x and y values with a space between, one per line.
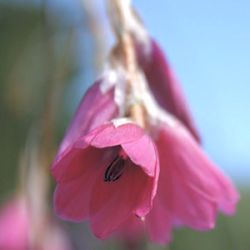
pixel 115 170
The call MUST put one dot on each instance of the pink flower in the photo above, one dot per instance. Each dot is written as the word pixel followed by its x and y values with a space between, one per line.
pixel 14 222
pixel 107 168
pixel 163 82
pixel 107 176
pixel 15 229
pixel 99 161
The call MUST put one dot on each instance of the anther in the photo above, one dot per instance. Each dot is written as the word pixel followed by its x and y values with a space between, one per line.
pixel 115 170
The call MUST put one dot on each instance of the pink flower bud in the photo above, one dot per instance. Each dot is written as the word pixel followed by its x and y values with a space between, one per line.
pixel 164 84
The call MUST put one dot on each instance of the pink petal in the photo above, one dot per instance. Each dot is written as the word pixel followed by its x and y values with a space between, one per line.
pixel 143 153
pixel 229 197
pixel 68 166
pixel 109 135
pixel 95 108
pixel 165 86
pixel 194 187
pixel 112 203
pixel 75 162
pixel 76 179
pixel 131 230
pixel 158 222
pixel 71 198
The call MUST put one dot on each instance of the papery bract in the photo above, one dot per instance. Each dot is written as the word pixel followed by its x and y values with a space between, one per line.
pixel 92 184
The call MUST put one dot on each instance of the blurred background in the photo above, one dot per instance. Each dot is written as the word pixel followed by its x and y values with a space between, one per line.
pixel 58 46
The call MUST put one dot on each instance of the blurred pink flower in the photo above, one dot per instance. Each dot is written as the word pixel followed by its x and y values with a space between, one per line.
pixel 107 176
pixel 163 83
pixel 14 222
pixel 15 229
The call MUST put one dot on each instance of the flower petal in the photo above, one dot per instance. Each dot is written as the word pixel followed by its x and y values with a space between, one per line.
pixel 142 152
pixel 109 135
pixel 75 162
pixel 158 222
pixel 165 86
pixel 95 108
pixel 187 173
pixel 76 180
pixel 132 229
pixel 112 203
pixel 71 198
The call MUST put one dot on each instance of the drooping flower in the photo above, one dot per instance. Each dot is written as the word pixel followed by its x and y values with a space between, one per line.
pixel 107 176
pixel 101 161
pixel 191 189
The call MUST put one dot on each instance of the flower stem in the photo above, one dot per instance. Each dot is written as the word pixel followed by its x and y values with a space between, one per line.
pixel 120 13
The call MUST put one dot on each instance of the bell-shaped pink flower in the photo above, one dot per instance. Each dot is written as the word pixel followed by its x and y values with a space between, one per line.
pixel 94 180
pixel 107 176
pixel 102 162
pixel 163 83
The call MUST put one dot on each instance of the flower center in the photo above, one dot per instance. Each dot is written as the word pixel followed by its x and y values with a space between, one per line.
pixel 115 169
